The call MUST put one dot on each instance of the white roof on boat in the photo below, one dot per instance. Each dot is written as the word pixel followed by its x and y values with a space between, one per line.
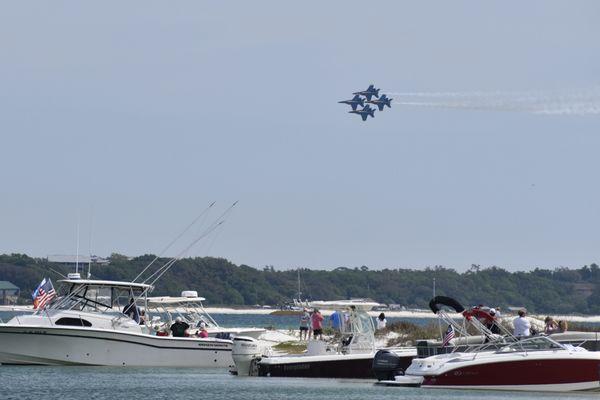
pixel 95 282
pixel 174 300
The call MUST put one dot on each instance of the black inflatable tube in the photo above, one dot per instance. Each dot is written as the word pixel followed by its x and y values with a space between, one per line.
pixel 438 301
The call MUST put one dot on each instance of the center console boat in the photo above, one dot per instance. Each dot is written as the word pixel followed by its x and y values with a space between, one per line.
pixel 348 355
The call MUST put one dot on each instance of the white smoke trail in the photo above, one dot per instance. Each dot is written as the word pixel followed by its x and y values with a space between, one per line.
pixel 584 102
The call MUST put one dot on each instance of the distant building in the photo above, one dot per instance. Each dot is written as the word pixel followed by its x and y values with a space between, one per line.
pixel 72 260
pixel 9 293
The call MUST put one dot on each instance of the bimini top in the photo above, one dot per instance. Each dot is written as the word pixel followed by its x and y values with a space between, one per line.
pixel 95 282
pixel 174 300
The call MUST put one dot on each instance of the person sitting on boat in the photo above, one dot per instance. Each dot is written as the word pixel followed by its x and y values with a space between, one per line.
pixel 132 311
pixel 202 332
pixel 304 324
pixel 317 324
pixel 179 328
pixel 551 326
pixel 562 326
pixel 522 325
pixel 143 318
pixel 381 321
pixel 335 321
pixel 492 324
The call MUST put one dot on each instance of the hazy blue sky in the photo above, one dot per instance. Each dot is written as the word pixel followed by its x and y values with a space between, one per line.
pixel 146 111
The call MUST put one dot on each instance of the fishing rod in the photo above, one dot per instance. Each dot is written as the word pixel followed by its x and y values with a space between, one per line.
pixel 218 222
pixel 175 240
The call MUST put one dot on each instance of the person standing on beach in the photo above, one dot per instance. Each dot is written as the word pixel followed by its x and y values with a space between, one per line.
pixel 335 320
pixel 304 324
pixel 317 324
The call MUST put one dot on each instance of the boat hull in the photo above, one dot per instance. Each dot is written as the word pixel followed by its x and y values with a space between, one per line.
pixel 560 375
pixel 358 368
pixel 84 346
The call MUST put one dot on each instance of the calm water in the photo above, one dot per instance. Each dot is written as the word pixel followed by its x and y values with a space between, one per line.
pixel 171 383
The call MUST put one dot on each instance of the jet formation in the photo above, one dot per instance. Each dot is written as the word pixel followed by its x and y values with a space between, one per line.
pixel 366 109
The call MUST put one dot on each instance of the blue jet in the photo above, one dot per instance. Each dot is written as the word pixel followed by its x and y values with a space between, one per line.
pixel 365 112
pixel 356 101
pixel 370 92
pixel 381 102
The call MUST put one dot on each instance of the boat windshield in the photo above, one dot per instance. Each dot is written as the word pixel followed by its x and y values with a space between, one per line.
pixel 357 330
pixel 102 298
pixel 537 343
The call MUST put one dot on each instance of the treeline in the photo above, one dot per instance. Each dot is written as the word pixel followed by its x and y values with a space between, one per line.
pixel 540 290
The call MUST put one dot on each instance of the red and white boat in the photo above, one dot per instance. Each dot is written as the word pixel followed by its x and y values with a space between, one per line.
pixel 534 364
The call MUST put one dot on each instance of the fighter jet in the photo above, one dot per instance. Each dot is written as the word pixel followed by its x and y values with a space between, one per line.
pixel 356 100
pixel 381 102
pixel 370 92
pixel 365 112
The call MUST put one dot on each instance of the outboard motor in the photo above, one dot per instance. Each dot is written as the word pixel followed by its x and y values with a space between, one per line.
pixel 387 365
pixel 246 352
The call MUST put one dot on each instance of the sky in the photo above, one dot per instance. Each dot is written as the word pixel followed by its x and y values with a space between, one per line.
pixel 128 118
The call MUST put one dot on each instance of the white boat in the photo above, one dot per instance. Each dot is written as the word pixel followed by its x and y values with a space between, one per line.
pixel 190 308
pixel 349 355
pixel 534 364
pixel 495 359
pixel 86 326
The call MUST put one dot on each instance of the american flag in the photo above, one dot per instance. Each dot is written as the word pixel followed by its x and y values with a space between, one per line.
pixel 43 294
pixel 448 336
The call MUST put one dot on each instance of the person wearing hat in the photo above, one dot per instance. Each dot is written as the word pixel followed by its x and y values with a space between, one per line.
pixel 493 324
pixel 179 328
pixel 202 332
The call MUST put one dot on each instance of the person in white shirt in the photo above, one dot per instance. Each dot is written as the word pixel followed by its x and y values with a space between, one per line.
pixel 381 321
pixel 522 325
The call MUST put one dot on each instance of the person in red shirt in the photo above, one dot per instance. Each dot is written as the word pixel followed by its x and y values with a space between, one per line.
pixel 317 324
pixel 202 332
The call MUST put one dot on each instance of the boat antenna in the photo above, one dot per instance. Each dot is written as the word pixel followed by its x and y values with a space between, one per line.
pixel 217 222
pixel 299 292
pixel 439 319
pixel 77 254
pixel 203 213
pixel 89 273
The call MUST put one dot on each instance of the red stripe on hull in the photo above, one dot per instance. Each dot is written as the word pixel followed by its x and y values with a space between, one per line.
pixel 526 372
